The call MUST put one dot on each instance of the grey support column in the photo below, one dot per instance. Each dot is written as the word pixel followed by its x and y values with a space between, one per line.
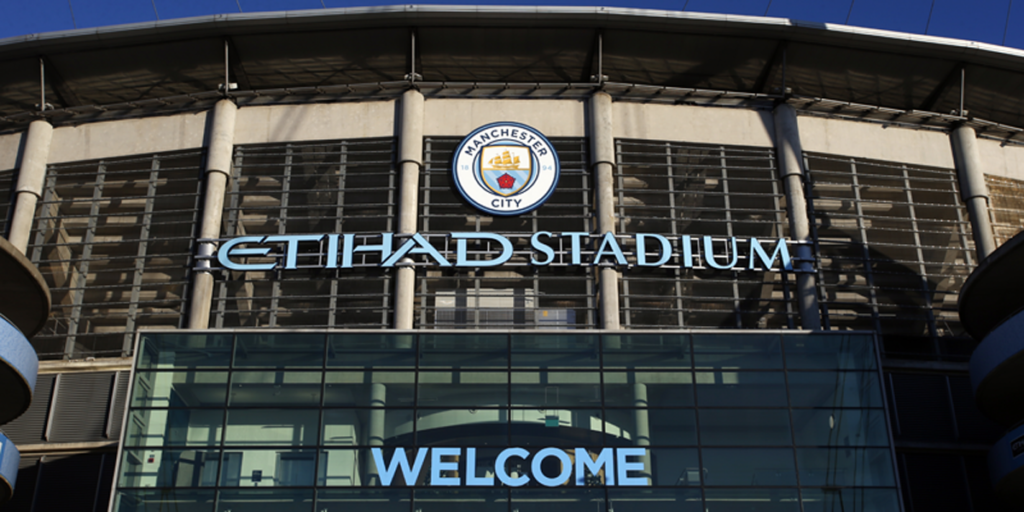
pixel 973 188
pixel 375 434
pixel 410 160
pixel 31 175
pixel 218 170
pixel 642 436
pixel 791 171
pixel 602 150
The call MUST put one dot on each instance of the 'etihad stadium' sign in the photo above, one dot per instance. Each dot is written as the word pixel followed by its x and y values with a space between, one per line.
pixel 505 168
pixel 387 250
pixel 612 467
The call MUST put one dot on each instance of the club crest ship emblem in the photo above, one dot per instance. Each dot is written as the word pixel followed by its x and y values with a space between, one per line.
pixel 505 168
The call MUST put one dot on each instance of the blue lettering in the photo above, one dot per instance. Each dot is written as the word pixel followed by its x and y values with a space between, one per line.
pixel 415 245
pixel 461 256
pixel 709 254
pixel 575 247
pixel 292 250
pixel 756 251
pixel 641 250
pixel 609 243
pixel 228 250
pixel 542 248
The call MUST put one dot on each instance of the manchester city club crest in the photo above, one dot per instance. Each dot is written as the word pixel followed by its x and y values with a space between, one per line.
pixel 505 168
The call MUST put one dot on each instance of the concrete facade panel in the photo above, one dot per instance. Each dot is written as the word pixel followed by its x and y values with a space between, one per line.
pixel 876 141
pixel 458 117
pixel 1002 160
pixel 9 147
pixel 127 137
pixel 320 121
pixel 707 125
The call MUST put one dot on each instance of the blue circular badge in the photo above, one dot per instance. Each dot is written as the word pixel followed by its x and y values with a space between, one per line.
pixel 505 168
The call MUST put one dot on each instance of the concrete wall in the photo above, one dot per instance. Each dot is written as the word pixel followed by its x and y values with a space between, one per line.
pixel 876 141
pixel 1002 160
pixel 9 146
pixel 127 137
pixel 458 117
pixel 321 121
pixel 683 123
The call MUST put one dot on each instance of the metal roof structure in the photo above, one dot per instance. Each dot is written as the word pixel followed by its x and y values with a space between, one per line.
pixel 495 51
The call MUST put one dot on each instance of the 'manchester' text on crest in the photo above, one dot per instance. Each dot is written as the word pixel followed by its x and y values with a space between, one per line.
pixel 505 168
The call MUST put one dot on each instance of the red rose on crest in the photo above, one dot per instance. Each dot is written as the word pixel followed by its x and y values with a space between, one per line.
pixel 506 181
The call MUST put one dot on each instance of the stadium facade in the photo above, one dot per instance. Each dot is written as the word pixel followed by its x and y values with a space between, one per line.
pixel 503 258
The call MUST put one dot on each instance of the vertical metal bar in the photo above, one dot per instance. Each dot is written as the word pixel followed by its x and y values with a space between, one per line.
pixel 339 213
pixel 819 289
pixel 723 162
pixel 79 283
pixel 780 222
pixel 626 311
pixel 47 212
pixel 54 393
pixel 965 238
pixel 235 228
pixel 42 85
pixel 865 251
pixel 282 228
pixel 140 258
pixel 922 268
pixel 677 274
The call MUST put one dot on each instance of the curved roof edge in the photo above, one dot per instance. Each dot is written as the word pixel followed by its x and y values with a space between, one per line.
pixel 806 31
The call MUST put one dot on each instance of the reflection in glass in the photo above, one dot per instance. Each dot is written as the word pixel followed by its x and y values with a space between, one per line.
pixel 840 427
pixel 268 468
pixel 834 389
pixel 745 427
pixel 675 466
pixel 850 500
pixel 749 466
pixel 462 427
pixel 836 352
pixel 362 500
pixel 174 427
pixel 286 427
pixel 663 389
pixel 568 500
pixel 843 467
pixel 373 427
pixel 184 351
pixel 169 468
pixel 370 388
pixel 555 350
pixel 279 350
pixel 465 388
pixel 464 350
pixel 737 351
pixel 741 389
pixel 664 427
pixel 268 388
pixel 160 500
pixel 752 500
pixel 646 350
pixel 461 500
pixel 258 500
pixel 566 389
pixel 179 389
pixel 560 427
pixel 655 500
pixel 373 350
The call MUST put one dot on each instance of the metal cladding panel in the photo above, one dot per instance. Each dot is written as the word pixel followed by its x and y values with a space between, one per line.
pixel 81 407
pixel 18 367
pixel 119 399
pixel 29 427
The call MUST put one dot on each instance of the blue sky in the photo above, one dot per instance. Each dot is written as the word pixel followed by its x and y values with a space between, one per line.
pixel 978 20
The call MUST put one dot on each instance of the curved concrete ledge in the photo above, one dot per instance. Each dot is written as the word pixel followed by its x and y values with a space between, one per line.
pixel 9 458
pixel 18 367
pixel 1006 465
pixel 26 297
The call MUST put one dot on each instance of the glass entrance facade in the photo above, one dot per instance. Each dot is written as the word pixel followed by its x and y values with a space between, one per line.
pixel 497 421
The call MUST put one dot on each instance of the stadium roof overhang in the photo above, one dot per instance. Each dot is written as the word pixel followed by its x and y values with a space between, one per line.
pixel 327 55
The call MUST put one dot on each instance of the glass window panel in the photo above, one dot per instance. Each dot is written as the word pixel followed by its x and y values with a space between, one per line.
pixel 834 352
pixel 295 427
pixel 179 389
pixel 554 350
pixel 559 427
pixel 741 389
pixel 169 468
pixel 270 388
pixel 745 427
pixel 464 350
pixel 835 389
pixel 370 350
pixel 749 466
pixel 463 427
pixel 751 500
pixel 735 351
pixel 664 427
pixel 461 500
pixel 655 500
pixel 662 389
pixel 845 467
pixel 672 466
pixel 840 427
pixel 565 389
pixel 174 427
pixel 567 500
pixel 364 389
pixel 646 350
pixel 348 427
pixel 850 500
pixel 258 500
pixel 179 500
pixel 268 468
pixel 362 500
pixel 444 389
pixel 279 350
pixel 345 468
pixel 184 351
